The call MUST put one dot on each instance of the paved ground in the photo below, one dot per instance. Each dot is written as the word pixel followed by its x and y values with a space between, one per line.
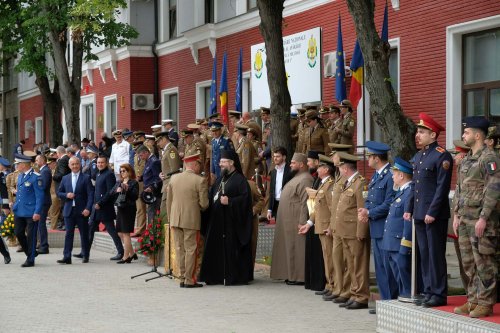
pixel 101 297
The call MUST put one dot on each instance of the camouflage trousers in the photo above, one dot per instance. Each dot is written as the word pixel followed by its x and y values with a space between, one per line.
pixel 480 265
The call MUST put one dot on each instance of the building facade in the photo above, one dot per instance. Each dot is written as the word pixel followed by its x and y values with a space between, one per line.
pixel 444 61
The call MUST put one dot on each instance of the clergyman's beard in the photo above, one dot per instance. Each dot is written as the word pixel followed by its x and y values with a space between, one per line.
pixel 224 172
pixel 293 172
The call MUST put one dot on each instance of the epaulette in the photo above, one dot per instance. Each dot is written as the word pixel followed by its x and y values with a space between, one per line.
pixel 440 149
pixel 36 173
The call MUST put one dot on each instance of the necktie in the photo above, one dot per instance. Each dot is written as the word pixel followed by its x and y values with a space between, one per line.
pixel 375 177
pixel 345 184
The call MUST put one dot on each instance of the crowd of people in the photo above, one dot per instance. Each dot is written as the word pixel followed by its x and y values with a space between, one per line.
pixel 215 183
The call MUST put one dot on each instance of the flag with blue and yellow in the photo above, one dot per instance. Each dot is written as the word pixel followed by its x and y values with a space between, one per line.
pixel 223 91
pixel 239 83
pixel 213 88
pixel 357 64
pixel 340 92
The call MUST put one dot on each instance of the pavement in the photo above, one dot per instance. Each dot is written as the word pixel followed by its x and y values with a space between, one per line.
pixel 101 297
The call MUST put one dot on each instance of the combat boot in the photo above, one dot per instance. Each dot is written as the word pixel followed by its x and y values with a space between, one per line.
pixel 481 311
pixel 465 309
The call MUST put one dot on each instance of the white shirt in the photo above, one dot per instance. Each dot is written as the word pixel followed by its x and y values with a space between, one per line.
pixel 74 180
pixel 280 171
pixel 119 155
pixel 405 186
pixel 350 178
pixel 379 171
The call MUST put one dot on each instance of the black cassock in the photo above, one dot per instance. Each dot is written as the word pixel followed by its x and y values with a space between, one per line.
pixel 228 230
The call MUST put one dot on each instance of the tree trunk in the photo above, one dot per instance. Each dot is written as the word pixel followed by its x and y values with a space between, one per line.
pixel 271 16
pixel 384 107
pixel 52 108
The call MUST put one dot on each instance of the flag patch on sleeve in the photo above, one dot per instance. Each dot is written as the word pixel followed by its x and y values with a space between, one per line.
pixel 492 167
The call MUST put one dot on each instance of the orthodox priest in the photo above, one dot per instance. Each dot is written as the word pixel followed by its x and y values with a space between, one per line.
pixel 289 247
pixel 228 252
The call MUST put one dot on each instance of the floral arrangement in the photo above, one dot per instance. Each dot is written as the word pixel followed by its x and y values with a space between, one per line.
pixel 152 239
pixel 7 227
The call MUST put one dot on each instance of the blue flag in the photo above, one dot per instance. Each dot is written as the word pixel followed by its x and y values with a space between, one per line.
pixel 213 88
pixel 239 83
pixel 340 92
pixel 385 26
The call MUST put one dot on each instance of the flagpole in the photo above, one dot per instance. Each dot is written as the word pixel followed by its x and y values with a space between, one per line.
pixel 364 118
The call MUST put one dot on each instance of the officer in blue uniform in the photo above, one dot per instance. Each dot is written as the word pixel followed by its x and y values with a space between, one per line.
pixel 46 177
pixel 151 179
pixel 219 143
pixel 430 209
pixel 378 200
pixel 28 207
pixel 129 137
pixel 91 169
pixel 397 239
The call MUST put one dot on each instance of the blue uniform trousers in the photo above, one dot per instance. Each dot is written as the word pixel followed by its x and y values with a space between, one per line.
pixel 76 218
pixel 26 230
pixel 431 239
pixel 399 266
pixel 387 284
pixel 42 229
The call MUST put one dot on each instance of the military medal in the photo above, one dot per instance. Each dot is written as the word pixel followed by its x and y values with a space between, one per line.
pixel 27 184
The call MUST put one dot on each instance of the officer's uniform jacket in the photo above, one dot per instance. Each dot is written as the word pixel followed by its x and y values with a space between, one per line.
pixel 11 180
pixel 247 154
pixel 46 177
pixel 317 140
pixel 30 196
pixel 337 188
pixel 322 202
pixel 333 135
pixel 432 169
pixel 397 231
pixel 346 214
pixel 196 147
pixel 151 175
pixel 347 127
pixel 301 138
pixel 170 162
pixel 478 190
pixel 379 198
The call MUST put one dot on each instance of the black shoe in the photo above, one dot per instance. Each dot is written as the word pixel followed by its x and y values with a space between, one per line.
pixel 346 304
pixel 28 264
pixel 79 255
pixel 356 306
pixel 182 285
pixel 19 249
pixel 434 302
pixel 125 261
pixel 85 260
pixel 196 285
pixel 117 257
pixel 43 251
pixel 330 297
pixel 420 300
pixel 64 261
pixel 7 260
pixel 322 292
pixel 135 257
pixel 340 300
pixel 294 283
pixel 372 311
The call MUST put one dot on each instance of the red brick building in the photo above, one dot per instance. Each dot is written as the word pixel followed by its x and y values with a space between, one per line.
pixel 445 61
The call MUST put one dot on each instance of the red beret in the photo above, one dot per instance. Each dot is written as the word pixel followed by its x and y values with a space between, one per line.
pixel 192 158
pixel 427 122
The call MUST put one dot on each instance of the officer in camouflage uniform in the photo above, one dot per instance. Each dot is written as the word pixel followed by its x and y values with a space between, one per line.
pixel 476 218
pixel 170 164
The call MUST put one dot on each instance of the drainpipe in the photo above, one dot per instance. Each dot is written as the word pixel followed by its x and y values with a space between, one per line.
pixel 155 67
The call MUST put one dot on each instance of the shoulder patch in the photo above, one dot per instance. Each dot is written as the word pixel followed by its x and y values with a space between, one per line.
pixel 351 123
pixel 40 182
pixel 446 165
pixel 440 149
pixel 36 173
pixel 491 167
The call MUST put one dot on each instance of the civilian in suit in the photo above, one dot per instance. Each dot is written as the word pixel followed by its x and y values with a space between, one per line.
pixel 104 208
pixel 46 177
pixel 184 212
pixel 62 169
pixel 280 175
pixel 77 193
pixel 151 179
pixel 377 203
pixel 397 239
pixel 27 208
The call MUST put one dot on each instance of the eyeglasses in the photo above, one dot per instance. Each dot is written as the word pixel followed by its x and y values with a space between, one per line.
pixel 122 171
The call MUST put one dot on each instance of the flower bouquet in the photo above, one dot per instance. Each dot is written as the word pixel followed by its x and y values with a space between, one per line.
pixel 151 241
pixel 7 226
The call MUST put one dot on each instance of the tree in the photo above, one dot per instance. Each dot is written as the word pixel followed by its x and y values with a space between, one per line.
pixel 271 16
pixel 384 107
pixel 43 29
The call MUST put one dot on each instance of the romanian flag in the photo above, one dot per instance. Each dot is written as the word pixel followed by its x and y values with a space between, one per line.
pixel 357 63
pixel 340 93
pixel 213 88
pixel 223 91
pixel 239 83
pixel 385 26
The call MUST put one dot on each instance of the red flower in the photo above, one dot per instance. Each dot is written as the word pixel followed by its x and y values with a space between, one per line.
pixel 158 225
pixel 158 241
pixel 151 238
pixel 146 233
pixel 145 252
pixel 139 240
pixel 157 212
pixel 150 226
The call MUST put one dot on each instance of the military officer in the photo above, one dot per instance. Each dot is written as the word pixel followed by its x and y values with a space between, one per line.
pixel 302 128
pixel 324 115
pixel 397 239
pixel 28 207
pixel 430 209
pixel 246 152
pixel 168 125
pixel 156 129
pixel 194 145
pixel 336 122
pixel 150 178
pixel 140 216
pixel 219 143
pixel 170 163
pixel 294 126
pixel 379 198
pixel 476 219
pixel 317 135
pixel 91 169
pixel 46 177
pixel 492 138
pixel 348 125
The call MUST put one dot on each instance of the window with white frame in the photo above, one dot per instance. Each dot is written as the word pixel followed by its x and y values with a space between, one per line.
pixel 203 99
pixel 247 93
pixel 38 130
pixel 87 117
pixel 110 114
pixel 170 104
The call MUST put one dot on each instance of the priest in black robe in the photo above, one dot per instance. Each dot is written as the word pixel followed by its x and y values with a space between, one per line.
pixel 228 230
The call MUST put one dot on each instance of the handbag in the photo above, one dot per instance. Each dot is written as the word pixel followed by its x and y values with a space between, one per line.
pixel 121 200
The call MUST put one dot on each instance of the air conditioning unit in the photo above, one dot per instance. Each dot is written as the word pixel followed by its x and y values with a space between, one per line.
pixel 329 60
pixel 143 102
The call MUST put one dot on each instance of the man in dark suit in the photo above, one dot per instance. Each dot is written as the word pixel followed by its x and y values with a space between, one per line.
pixel 151 179
pixel 62 169
pixel 104 208
pixel 280 175
pixel 77 192
pixel 46 177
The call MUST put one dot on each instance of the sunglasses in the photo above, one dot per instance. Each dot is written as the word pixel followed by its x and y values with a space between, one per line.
pixel 122 171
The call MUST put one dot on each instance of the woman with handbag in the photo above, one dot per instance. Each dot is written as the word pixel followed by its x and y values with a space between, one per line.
pixel 127 192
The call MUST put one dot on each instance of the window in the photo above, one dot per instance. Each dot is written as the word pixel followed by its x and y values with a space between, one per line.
pixel 209 11
pixel 88 121
pixel 172 19
pixel 203 99
pixel 170 104
pixel 481 75
pixel 110 114
pixel 38 130
pixel 251 4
